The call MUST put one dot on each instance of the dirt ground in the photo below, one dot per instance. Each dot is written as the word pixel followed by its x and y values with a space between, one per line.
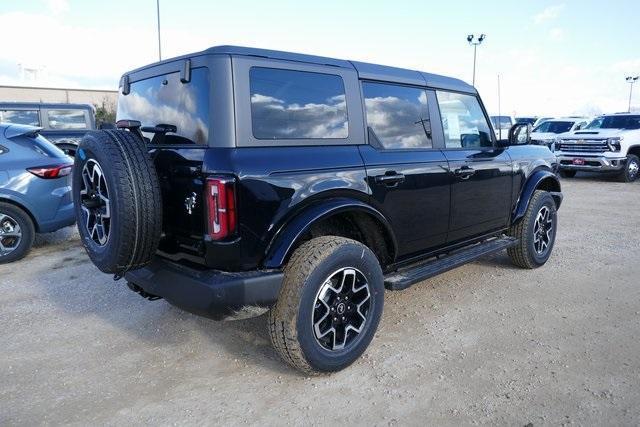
pixel 486 343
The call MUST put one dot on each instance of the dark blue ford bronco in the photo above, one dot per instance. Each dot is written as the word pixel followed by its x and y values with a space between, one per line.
pixel 62 124
pixel 242 181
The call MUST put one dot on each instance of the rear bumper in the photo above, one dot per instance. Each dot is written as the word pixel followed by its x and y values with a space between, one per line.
pixel 592 163
pixel 65 216
pixel 215 294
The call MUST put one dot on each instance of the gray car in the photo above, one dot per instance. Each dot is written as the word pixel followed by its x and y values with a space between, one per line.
pixel 35 189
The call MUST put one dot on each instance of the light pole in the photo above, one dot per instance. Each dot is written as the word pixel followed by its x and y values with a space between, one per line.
pixel 473 41
pixel 159 45
pixel 631 80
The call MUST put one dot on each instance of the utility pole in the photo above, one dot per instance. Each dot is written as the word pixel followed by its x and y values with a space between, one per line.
pixel 475 42
pixel 159 44
pixel 631 80
pixel 499 125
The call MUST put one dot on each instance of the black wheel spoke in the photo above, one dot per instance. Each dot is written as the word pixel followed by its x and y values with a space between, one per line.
pixel 10 234
pixel 543 230
pixel 95 204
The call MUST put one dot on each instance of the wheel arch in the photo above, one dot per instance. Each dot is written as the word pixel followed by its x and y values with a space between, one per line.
pixel 635 149
pixel 541 179
pixel 372 229
pixel 6 198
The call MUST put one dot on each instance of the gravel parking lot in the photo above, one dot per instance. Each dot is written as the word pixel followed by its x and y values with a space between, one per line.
pixel 486 343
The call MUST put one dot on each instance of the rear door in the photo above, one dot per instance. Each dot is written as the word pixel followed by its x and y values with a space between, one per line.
pixel 481 171
pixel 408 177
pixel 162 95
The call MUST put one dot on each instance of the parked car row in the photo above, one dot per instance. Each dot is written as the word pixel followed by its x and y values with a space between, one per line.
pixel 35 189
pixel 609 143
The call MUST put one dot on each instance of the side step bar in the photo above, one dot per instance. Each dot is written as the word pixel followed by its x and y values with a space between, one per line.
pixel 407 276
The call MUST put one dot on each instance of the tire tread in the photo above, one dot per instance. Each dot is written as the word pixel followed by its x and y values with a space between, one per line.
pixel 283 316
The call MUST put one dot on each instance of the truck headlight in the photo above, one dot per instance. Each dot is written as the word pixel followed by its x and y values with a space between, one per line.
pixel 614 143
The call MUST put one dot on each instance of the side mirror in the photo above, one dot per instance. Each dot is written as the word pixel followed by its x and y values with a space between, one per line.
pixel 520 134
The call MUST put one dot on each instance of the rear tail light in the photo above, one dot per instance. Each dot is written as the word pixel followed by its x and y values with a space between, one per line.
pixel 221 207
pixel 51 172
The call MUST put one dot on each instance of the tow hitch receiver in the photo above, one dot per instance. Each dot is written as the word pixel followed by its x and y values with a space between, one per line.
pixel 137 289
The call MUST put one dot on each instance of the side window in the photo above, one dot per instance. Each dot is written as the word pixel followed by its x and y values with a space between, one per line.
pixel 397 116
pixel 463 121
pixel 20 117
pixel 289 104
pixel 67 119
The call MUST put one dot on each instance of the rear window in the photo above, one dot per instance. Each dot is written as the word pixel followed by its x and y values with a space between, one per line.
pixel 554 127
pixel 287 104
pixel 67 119
pixel 40 145
pixel 20 117
pixel 166 100
pixel 615 122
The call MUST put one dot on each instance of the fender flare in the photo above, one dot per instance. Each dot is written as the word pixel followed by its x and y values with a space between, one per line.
pixel 551 182
pixel 284 241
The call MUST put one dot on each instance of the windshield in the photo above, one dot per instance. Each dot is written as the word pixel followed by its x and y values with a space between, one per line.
pixel 554 127
pixel 166 100
pixel 615 122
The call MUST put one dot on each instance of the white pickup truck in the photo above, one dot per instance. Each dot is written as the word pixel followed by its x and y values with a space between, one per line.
pixel 610 143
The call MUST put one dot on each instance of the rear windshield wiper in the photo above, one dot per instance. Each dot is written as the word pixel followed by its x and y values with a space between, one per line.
pixel 162 128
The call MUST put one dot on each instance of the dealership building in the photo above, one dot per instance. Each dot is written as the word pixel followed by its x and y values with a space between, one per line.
pixel 50 94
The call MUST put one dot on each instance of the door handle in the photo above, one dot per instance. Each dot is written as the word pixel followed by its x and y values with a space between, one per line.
pixel 389 179
pixel 464 172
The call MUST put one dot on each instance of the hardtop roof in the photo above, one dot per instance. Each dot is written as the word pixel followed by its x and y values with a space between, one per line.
pixel 365 70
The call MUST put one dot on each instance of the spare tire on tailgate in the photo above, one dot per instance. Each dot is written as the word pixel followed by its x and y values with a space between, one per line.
pixel 117 200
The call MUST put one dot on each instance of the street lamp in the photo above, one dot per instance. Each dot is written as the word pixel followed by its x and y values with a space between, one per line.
pixel 473 41
pixel 631 80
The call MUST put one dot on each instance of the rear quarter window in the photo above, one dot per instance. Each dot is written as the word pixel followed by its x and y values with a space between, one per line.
pixel 290 104
pixel 67 119
pixel 20 117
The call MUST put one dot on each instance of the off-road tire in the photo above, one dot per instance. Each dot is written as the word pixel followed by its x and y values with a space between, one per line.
pixel 134 195
pixel 524 254
pixel 290 320
pixel 28 232
pixel 567 173
pixel 626 175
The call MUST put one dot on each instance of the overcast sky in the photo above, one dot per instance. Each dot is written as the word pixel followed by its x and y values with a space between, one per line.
pixel 553 57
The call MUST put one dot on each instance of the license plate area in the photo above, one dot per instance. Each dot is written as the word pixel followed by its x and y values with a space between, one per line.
pixel 578 162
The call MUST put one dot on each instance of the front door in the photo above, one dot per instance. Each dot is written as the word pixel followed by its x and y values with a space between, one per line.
pixel 482 173
pixel 408 178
